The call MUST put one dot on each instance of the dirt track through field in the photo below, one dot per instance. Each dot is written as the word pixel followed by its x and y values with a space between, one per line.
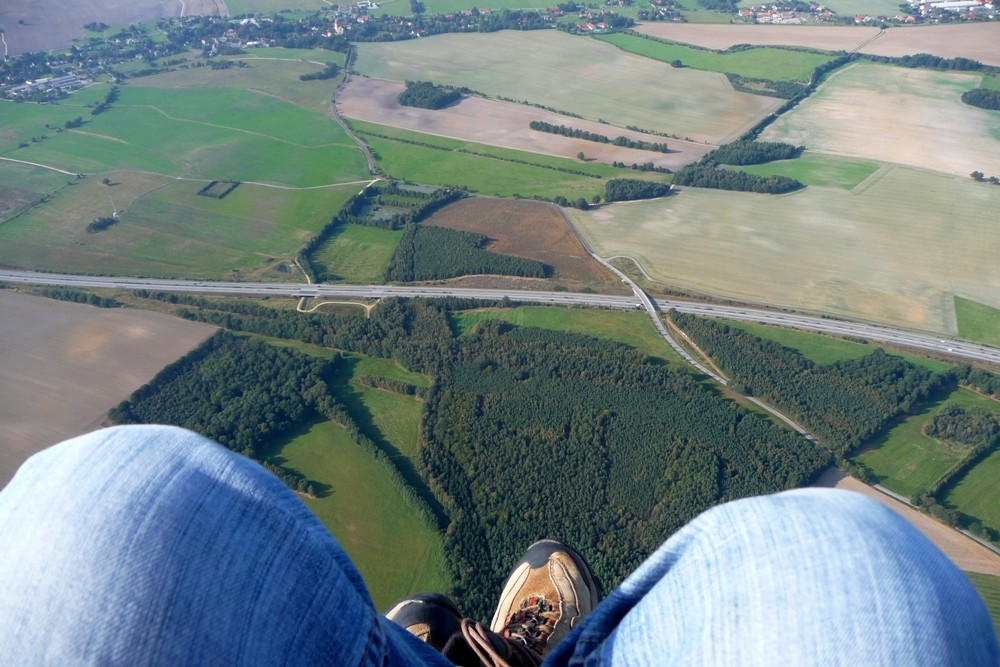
pixel 977 41
pixel 504 124
pixel 963 551
pixel 64 365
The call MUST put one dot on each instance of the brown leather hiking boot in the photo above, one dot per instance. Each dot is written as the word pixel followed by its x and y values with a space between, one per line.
pixel 547 594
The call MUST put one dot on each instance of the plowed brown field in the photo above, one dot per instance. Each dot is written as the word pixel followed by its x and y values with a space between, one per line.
pixel 64 365
pixel 536 230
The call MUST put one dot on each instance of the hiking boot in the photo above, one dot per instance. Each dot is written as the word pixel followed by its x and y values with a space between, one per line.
pixel 431 617
pixel 547 594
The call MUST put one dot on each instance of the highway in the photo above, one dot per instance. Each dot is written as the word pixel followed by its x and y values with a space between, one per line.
pixel 861 330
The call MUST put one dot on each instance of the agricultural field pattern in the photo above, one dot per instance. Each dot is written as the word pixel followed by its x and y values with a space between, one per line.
pixel 223 153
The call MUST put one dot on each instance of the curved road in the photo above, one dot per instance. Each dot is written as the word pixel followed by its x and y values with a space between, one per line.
pixel 879 333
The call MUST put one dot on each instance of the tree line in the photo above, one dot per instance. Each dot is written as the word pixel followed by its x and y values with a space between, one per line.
pixel 331 70
pixel 575 133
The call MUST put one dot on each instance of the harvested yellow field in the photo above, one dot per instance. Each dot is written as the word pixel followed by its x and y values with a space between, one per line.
pixel 893 250
pixel 721 36
pixel 977 41
pixel 581 76
pixel 905 116
pixel 506 125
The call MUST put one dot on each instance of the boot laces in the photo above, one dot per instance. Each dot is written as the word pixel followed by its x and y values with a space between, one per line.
pixel 479 640
pixel 533 623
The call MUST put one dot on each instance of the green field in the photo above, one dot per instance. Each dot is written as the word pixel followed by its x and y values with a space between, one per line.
pixel 23 121
pixel 272 71
pixel 905 460
pixel 493 171
pixel 237 7
pixel 895 249
pixel 630 327
pixel 977 322
pixel 823 349
pixel 990 83
pixel 583 76
pixel 402 7
pixel 864 7
pixel 977 493
pixel 256 124
pixel 394 551
pixel 758 63
pixel 818 169
pixel 206 133
pixel 356 254
pixel 989 588
pixel 165 229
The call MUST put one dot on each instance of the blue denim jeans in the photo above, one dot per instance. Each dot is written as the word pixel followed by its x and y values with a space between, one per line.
pixel 150 545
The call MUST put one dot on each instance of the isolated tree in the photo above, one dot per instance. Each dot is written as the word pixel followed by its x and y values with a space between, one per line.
pixel 105 181
pixel 580 156
pixel 977 175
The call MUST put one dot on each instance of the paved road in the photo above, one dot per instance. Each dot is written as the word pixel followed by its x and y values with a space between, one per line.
pixel 920 341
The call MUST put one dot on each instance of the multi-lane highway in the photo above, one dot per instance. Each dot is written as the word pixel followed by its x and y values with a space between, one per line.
pixel 861 330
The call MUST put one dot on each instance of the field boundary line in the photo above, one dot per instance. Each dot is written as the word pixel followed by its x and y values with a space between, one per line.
pixel 233 129
pixel 877 176
pixel 43 166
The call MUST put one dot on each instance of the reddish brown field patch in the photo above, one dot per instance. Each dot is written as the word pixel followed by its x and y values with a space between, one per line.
pixel 531 229
pixel 64 365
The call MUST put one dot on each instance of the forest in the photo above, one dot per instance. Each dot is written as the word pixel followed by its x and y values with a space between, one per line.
pixel 237 391
pixel 982 98
pixel 530 433
pixel 844 403
pixel 628 189
pixel 437 253
pixel 427 95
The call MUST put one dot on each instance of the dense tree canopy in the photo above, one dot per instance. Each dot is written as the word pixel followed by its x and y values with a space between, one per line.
pixel 627 189
pixel 982 98
pixel 237 391
pixel 436 253
pixel 843 403
pixel 427 95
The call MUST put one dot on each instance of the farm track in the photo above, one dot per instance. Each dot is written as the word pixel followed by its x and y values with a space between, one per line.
pixel 372 171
